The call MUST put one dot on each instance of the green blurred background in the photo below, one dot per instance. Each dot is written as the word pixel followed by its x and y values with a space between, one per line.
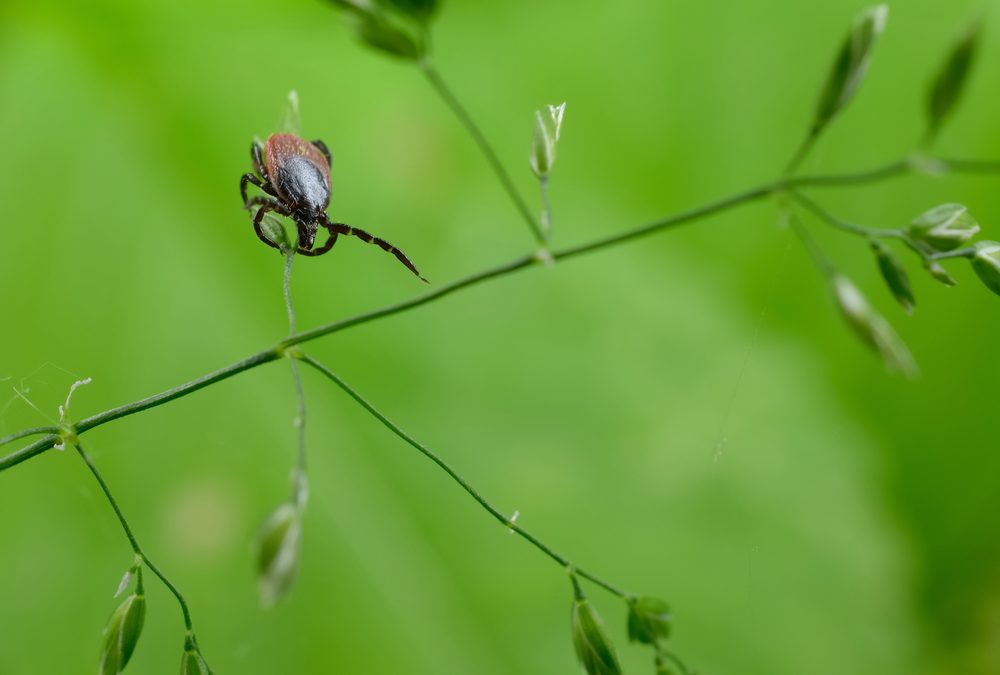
pixel 684 415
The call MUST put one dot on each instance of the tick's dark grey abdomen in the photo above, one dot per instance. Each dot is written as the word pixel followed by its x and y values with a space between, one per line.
pixel 302 184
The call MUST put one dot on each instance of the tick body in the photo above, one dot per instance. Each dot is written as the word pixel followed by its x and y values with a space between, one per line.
pixel 295 174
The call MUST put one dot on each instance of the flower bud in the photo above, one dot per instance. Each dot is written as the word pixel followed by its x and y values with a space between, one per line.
pixel 950 82
pixel 851 65
pixel 548 122
pixel 986 263
pixel 592 643
pixel 192 663
pixel 648 620
pixel 278 553
pixel 874 330
pixel 941 274
pixel 944 227
pixel 378 33
pixel 895 276
pixel 121 635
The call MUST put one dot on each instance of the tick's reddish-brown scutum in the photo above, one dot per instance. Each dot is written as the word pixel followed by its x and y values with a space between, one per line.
pixel 283 150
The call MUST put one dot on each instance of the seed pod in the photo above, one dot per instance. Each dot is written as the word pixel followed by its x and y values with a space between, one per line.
pixel 648 620
pixel 944 227
pixel 121 635
pixel 278 553
pixel 895 276
pixel 986 263
pixel 593 646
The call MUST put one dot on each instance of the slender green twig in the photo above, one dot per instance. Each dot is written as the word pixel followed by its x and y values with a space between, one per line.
pixel 136 548
pixel 470 125
pixel 802 152
pixel 815 252
pixel 543 188
pixel 504 520
pixel 274 353
pixel 827 217
pixel 967 252
pixel 299 488
pixel 33 431
pixel 666 653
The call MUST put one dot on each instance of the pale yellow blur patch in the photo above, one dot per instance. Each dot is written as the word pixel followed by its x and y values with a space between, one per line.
pixel 202 519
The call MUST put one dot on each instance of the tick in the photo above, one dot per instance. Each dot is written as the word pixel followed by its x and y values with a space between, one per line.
pixel 296 174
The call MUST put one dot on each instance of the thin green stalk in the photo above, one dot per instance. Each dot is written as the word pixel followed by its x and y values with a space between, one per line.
pixel 815 252
pixel 504 520
pixel 892 170
pixel 274 353
pixel 470 125
pixel 28 432
pixel 802 152
pixel 299 488
pixel 112 414
pixel 826 216
pixel 133 541
pixel 671 656
pixel 967 252
pixel 543 187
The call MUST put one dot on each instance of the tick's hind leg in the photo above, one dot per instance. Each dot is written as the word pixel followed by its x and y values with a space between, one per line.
pixel 266 205
pixel 321 146
pixel 341 228
pixel 256 154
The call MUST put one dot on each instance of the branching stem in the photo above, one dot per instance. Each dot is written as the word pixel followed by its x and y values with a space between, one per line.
pixel 456 107
pixel 885 172
pixel 133 541
pixel 504 520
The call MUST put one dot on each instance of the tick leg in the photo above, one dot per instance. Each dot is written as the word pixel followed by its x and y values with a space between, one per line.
pixel 262 184
pixel 256 154
pixel 341 228
pixel 331 240
pixel 257 200
pixel 266 205
pixel 321 146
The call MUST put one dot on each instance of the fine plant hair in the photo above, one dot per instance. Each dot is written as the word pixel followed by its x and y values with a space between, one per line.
pixel 402 29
